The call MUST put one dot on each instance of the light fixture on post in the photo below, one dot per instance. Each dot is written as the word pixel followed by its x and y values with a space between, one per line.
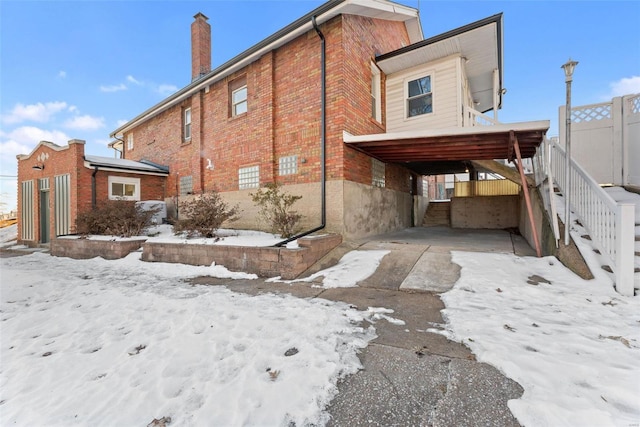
pixel 568 77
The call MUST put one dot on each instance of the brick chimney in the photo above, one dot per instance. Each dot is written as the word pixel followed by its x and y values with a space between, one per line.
pixel 200 47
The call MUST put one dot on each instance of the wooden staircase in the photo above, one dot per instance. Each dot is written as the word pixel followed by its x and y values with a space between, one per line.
pixel 438 213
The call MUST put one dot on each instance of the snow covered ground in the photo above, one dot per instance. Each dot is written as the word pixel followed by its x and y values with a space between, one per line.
pixel 572 344
pixel 96 342
pixel 8 235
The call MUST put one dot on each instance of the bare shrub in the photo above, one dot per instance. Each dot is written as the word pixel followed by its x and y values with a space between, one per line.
pixel 115 217
pixel 275 209
pixel 204 215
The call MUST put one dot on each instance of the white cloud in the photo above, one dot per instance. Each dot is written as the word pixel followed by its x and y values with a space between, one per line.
pixel 625 86
pixel 113 88
pixel 23 140
pixel 166 89
pixel 27 137
pixel 121 122
pixel 85 122
pixel 133 80
pixel 62 74
pixel 40 112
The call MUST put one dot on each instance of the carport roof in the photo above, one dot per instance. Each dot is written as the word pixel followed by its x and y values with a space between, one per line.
pixel 420 149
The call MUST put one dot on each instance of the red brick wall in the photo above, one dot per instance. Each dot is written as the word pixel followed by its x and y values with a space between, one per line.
pixel 61 160
pixel 151 187
pixel 70 160
pixel 283 116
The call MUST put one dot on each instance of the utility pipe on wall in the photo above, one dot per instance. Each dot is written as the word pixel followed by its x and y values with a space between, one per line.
pixel 93 187
pixel 323 142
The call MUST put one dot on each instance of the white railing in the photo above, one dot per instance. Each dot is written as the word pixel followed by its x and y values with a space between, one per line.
pixel 471 117
pixel 611 225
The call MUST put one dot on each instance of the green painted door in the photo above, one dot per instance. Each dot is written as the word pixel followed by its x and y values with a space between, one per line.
pixel 45 215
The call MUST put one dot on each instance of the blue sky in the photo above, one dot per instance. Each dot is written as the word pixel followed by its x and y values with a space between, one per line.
pixel 79 69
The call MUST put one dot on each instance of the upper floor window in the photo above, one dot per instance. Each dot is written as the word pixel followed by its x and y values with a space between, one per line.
pixel 124 188
pixel 238 96
pixel 288 165
pixel 187 124
pixel 249 177
pixel 130 142
pixel 376 101
pixel 419 97
pixel 377 173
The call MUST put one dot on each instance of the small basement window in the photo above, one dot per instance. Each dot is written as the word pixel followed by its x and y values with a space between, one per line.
pixel 249 177
pixel 123 188
pixel 377 173
pixel 288 165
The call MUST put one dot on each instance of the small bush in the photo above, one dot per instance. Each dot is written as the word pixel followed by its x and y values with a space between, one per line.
pixel 204 215
pixel 276 209
pixel 115 217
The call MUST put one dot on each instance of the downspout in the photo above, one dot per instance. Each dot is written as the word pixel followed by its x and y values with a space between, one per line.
pixel 323 148
pixel 93 187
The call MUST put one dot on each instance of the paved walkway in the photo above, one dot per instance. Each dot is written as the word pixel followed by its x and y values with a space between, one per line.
pixel 412 377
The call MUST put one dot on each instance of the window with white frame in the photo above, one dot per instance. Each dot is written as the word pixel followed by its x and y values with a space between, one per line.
pixel 249 177
pixel 238 96
pixel 419 97
pixel 124 188
pixel 377 173
pixel 130 142
pixel 376 101
pixel 187 124
pixel 288 165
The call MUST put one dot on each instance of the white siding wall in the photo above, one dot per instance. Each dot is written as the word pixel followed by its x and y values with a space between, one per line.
pixel 445 86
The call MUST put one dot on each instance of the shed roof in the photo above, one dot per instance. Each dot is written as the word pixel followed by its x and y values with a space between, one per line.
pixel 125 165
pixel 424 150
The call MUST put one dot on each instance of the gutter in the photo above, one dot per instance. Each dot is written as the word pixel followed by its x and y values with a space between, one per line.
pixel 93 187
pixel 323 140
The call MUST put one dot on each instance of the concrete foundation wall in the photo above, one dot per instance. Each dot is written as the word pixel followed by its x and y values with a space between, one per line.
pixel 495 212
pixel 371 210
pixel 352 210
pixel 543 227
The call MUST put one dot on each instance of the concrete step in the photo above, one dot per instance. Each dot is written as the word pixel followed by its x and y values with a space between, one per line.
pixel 438 213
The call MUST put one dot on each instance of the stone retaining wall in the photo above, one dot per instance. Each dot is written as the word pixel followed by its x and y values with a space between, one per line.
pixel 263 261
pixel 78 248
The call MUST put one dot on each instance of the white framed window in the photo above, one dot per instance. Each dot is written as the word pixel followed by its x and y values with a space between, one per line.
pixel 378 173
pixel 376 98
pixel 288 165
pixel 124 188
pixel 130 142
pixel 239 101
pixel 187 124
pixel 419 96
pixel 249 177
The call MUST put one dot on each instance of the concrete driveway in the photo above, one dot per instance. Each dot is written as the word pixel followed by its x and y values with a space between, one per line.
pixel 412 377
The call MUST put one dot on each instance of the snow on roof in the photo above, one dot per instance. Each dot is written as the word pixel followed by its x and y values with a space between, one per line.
pixel 109 162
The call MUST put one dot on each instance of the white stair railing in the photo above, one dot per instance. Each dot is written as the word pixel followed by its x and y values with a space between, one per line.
pixel 611 225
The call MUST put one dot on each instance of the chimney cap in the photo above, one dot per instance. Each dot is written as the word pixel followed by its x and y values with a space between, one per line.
pixel 200 15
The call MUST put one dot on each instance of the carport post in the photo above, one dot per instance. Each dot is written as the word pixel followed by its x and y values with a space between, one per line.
pixel 525 188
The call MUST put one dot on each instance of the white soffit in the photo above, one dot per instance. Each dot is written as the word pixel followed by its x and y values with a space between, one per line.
pixel 478 46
